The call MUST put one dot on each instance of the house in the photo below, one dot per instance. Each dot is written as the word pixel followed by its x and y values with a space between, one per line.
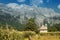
pixel 43 28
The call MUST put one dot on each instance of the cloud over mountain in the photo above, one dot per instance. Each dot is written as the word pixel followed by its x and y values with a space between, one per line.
pixel 26 8
pixel 25 12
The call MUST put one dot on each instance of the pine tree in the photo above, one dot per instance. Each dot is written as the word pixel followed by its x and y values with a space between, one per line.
pixel 30 25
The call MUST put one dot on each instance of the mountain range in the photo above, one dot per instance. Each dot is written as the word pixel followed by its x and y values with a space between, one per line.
pixel 21 13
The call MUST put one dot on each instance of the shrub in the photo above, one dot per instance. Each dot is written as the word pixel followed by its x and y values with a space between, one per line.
pixel 27 34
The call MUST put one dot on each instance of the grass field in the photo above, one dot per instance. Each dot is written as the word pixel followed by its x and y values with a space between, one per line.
pixel 6 34
pixel 46 37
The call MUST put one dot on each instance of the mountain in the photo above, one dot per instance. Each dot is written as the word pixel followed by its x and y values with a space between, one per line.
pixel 11 21
pixel 24 12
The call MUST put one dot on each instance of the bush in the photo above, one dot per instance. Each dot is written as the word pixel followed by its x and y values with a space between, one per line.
pixel 26 34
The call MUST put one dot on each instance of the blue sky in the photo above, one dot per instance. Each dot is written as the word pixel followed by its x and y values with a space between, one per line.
pixel 54 4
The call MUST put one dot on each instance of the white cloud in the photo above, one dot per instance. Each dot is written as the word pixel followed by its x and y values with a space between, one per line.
pixel 20 0
pixel 41 1
pixel 59 6
pixel 12 5
pixel 16 6
pixel 23 8
pixel 36 2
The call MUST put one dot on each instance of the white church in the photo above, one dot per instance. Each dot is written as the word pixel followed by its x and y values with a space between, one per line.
pixel 43 29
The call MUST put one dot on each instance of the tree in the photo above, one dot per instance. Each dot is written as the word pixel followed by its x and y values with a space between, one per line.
pixel 54 27
pixel 30 25
pixel 57 26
